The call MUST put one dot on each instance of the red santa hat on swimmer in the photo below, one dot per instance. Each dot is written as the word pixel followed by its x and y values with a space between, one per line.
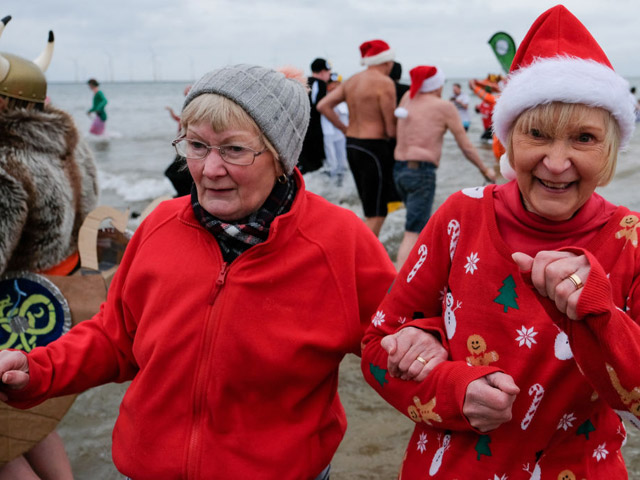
pixel 424 78
pixel 559 61
pixel 375 52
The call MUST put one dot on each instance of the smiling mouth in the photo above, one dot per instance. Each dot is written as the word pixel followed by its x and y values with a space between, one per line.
pixel 554 185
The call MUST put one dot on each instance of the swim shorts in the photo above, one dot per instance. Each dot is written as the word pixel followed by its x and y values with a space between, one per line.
pixel 97 127
pixel 371 162
pixel 416 184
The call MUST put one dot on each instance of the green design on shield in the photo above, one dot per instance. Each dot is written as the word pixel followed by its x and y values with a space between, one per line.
pixel 505 49
pixel 33 311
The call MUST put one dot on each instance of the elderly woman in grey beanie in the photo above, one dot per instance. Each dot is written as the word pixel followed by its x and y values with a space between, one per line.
pixel 232 307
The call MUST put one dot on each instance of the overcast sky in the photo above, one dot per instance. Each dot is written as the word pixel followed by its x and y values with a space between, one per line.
pixel 125 40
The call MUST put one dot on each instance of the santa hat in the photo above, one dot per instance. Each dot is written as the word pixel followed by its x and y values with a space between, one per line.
pixel 425 78
pixel 375 52
pixel 559 61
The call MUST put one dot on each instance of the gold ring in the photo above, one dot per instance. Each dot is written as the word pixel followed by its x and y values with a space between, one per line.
pixel 421 360
pixel 575 279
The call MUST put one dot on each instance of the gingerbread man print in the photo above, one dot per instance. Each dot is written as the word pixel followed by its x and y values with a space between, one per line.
pixel 479 355
pixel 424 412
pixel 629 230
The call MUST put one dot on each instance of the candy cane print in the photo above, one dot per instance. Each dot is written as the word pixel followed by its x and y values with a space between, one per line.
pixel 538 391
pixel 423 256
pixel 453 229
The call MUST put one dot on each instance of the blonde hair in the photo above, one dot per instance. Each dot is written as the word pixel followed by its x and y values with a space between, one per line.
pixel 552 119
pixel 222 114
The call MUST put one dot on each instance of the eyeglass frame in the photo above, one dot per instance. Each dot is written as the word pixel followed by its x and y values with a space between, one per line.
pixel 220 149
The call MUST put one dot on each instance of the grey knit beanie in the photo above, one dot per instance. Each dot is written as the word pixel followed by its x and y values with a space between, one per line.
pixel 279 105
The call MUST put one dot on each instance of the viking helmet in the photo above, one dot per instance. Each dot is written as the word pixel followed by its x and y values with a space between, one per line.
pixel 24 79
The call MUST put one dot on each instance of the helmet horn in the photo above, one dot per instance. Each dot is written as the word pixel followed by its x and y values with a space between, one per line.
pixel 44 59
pixel 4 22
pixel 4 63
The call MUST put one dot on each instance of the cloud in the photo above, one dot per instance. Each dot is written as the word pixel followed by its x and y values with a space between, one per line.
pixel 182 39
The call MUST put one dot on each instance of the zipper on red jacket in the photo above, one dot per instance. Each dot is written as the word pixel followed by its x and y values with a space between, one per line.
pixel 199 401
pixel 219 283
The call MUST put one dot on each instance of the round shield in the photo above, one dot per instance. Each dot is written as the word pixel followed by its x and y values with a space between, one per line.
pixel 33 311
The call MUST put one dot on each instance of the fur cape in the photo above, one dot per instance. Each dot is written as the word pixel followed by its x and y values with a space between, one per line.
pixel 48 185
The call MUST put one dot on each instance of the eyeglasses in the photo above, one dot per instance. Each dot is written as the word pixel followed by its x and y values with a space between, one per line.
pixel 233 154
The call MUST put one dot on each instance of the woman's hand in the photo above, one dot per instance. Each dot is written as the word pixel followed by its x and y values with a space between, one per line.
pixel 559 276
pixel 14 371
pixel 413 353
pixel 488 401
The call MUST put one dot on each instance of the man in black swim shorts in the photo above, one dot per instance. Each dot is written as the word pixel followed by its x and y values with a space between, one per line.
pixel 371 98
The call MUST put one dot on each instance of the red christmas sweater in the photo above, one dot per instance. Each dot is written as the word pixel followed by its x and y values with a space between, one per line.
pixel 575 377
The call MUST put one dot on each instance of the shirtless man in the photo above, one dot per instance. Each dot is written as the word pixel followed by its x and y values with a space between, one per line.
pixel 371 99
pixel 423 119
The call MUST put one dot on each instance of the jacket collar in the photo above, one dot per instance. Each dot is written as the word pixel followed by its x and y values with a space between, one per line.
pixel 282 227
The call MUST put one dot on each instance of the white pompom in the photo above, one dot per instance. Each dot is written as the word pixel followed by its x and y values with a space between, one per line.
pixel 401 112
pixel 505 168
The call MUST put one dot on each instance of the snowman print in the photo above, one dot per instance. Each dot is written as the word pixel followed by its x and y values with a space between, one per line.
pixel 450 316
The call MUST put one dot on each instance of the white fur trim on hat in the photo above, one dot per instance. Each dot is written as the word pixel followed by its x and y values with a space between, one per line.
pixel 434 82
pixel 506 170
pixel 382 57
pixel 568 80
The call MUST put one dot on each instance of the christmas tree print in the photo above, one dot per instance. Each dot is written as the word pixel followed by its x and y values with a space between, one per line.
pixel 379 374
pixel 585 429
pixel 482 447
pixel 508 295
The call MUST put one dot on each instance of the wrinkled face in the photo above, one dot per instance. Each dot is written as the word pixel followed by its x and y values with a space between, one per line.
pixel 231 192
pixel 557 174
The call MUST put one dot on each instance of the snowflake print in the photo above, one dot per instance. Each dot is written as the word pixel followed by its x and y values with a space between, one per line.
pixel 472 263
pixel 422 443
pixel 378 319
pixel 525 336
pixel 601 452
pixel 501 477
pixel 402 320
pixel 566 421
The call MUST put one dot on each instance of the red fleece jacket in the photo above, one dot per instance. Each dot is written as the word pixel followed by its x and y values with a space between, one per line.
pixel 234 368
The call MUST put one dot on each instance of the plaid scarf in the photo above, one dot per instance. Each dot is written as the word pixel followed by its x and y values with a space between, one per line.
pixel 237 237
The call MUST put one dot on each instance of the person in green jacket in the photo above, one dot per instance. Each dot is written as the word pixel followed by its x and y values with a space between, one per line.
pixel 99 103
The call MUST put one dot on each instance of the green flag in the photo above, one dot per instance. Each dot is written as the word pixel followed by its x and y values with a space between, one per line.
pixel 505 49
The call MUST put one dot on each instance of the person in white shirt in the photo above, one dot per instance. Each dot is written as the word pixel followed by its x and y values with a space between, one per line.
pixel 335 143
pixel 461 101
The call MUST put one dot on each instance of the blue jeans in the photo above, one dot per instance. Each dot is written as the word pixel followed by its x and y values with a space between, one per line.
pixel 416 184
pixel 324 475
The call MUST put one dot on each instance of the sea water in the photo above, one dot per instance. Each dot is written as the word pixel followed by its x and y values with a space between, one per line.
pixel 133 155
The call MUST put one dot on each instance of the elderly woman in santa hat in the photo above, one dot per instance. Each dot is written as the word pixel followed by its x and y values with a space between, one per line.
pixel 533 287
